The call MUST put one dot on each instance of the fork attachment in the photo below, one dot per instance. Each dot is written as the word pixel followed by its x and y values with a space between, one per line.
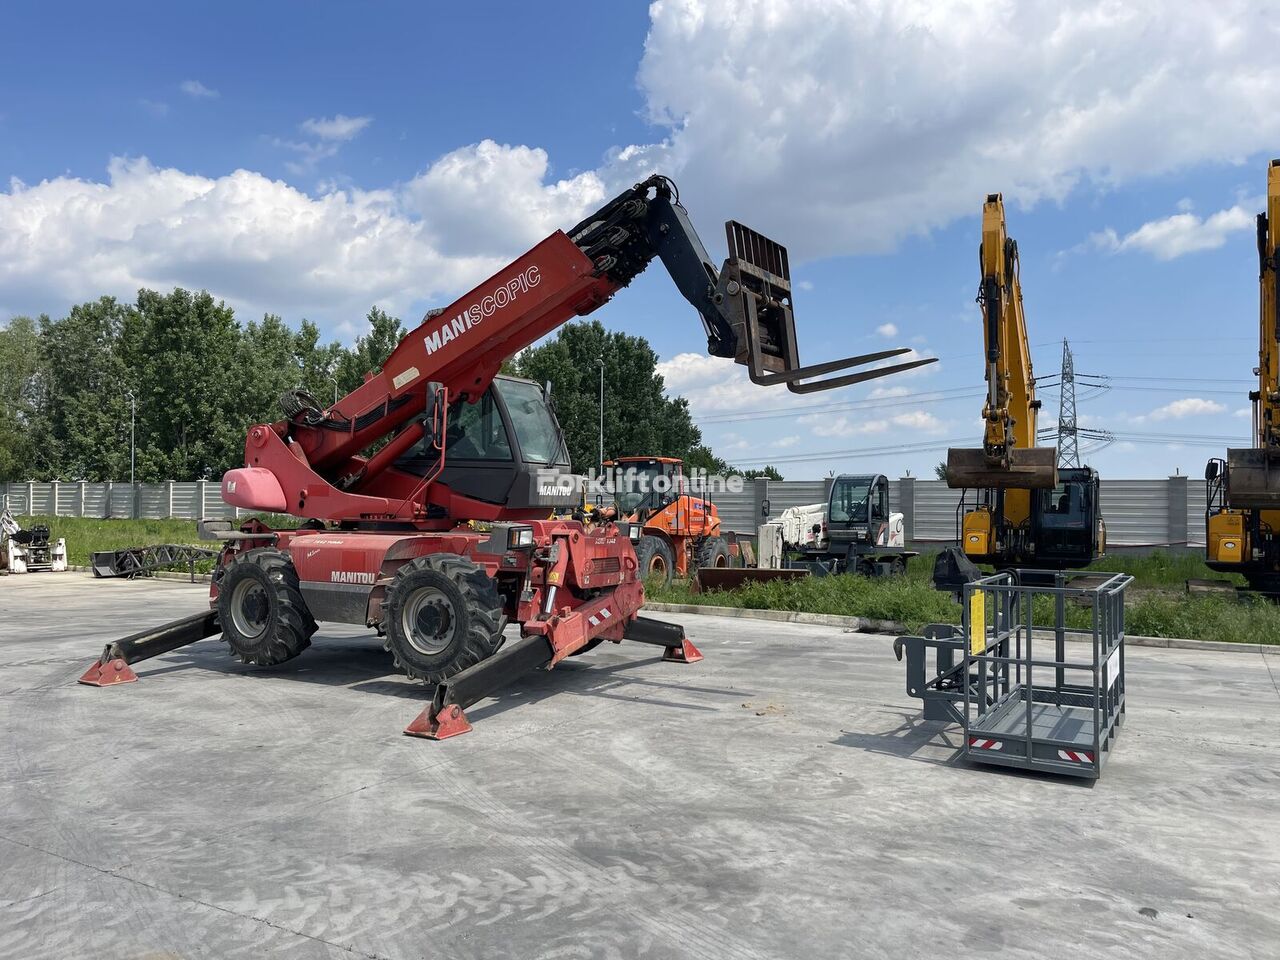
pixel 755 283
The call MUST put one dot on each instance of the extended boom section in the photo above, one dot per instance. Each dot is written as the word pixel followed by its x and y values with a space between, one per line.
pixel 426 490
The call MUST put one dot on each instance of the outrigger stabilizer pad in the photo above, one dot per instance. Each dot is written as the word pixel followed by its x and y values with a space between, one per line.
pixel 113 666
pixel 446 717
pixel 106 673
pixel 685 653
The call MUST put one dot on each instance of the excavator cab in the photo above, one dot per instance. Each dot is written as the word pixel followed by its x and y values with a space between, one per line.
pixel 1067 520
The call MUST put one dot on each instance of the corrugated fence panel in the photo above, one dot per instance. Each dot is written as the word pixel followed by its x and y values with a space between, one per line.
pixel 153 500
pixel 737 510
pixel 68 500
pixel 41 499
pixel 121 504
pixel 1136 511
pixel 795 493
pixel 185 501
pixel 95 499
pixel 935 511
pixel 1196 492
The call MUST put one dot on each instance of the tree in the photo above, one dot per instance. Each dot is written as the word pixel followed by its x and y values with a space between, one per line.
pixel 19 396
pixel 769 473
pixel 371 349
pixel 83 429
pixel 940 470
pixel 639 419
pixel 195 383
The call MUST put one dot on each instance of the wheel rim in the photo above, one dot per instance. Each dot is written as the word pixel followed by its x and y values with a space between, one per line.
pixel 250 609
pixel 657 566
pixel 428 621
pixel 721 560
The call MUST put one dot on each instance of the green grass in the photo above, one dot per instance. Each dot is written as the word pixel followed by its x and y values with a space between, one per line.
pixel 1156 603
pixel 1155 571
pixel 88 535
pixel 85 535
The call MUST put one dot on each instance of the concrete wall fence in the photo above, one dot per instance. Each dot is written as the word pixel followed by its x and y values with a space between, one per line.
pixel 1139 513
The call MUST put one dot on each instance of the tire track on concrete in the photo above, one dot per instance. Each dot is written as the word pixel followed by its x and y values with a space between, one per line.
pixel 178 895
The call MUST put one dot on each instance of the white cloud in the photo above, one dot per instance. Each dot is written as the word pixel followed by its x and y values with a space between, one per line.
pixel 882 392
pixel 824 425
pixel 1244 413
pixel 789 441
pixel 889 120
pixel 1178 409
pixel 260 243
pixel 492 195
pixel 339 127
pixel 894 118
pixel 1179 234
pixel 197 90
pixel 887 329
pixel 157 108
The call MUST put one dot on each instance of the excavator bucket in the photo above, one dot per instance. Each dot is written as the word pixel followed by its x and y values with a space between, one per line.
pixel 1253 479
pixel 755 285
pixel 1029 469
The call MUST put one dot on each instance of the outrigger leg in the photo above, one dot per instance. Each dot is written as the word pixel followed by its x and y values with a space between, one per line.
pixel 113 666
pixel 446 715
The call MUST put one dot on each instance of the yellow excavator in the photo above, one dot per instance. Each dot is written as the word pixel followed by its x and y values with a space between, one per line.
pixel 1018 508
pixel 1242 515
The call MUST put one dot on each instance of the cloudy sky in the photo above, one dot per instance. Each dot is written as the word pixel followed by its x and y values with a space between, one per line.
pixel 311 160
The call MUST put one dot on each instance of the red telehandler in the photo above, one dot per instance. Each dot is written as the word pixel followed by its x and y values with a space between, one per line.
pixel 439 536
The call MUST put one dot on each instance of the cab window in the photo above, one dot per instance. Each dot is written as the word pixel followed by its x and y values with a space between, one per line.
pixel 476 431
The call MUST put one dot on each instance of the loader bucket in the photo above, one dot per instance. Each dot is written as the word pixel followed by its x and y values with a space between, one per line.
pixel 755 287
pixel 730 578
pixel 1253 479
pixel 1034 469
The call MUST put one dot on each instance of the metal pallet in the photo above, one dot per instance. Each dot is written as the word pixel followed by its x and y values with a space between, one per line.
pixel 1025 695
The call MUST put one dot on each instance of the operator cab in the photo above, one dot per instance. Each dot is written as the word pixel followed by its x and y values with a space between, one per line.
pixel 1067 519
pixel 644 485
pixel 858 500
pixel 507 448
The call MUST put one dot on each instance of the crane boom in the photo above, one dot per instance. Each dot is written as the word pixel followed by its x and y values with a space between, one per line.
pixel 311 464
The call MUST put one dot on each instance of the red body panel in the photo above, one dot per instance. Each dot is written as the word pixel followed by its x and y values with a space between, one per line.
pixel 358 565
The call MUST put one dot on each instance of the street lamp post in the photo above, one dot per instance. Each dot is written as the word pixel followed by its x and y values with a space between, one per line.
pixel 600 361
pixel 133 418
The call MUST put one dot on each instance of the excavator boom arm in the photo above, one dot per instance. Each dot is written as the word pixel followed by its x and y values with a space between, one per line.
pixel 1253 474
pixel 1009 457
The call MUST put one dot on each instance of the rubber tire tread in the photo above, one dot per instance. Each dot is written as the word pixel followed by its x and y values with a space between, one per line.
pixel 709 548
pixel 478 640
pixel 290 626
pixel 648 546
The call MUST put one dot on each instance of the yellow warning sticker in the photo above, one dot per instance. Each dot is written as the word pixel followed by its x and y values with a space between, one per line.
pixel 400 379
pixel 977 622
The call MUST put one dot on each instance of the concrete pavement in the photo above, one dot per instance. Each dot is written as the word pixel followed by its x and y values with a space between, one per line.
pixel 779 799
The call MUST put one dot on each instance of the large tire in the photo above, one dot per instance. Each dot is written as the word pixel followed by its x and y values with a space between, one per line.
pixel 260 608
pixel 712 552
pixel 442 613
pixel 656 559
